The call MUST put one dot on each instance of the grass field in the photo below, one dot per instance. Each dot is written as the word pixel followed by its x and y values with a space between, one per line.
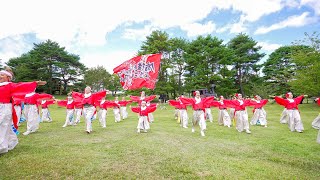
pixel 167 151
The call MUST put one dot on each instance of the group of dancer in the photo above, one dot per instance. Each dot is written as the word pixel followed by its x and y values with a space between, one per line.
pixel 15 95
pixel 202 111
pixel 10 96
pixel 238 112
pixel 19 100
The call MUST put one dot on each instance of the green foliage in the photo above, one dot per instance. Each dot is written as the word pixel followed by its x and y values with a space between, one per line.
pixel 114 84
pixel 307 77
pixel 178 47
pixel 49 62
pixel 279 68
pixel 245 58
pixel 156 42
pixel 97 78
pixel 205 58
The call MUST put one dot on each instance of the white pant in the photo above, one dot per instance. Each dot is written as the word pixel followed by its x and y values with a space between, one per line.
pixel 88 112
pixel 116 113
pixel 176 111
pixel 261 115
pixel 78 115
pixel 102 117
pixel 224 118
pixel 198 119
pixel 183 117
pixel 143 123
pixel 45 115
pixel 124 113
pixel 284 117
pixel 294 121
pixel 18 112
pixel 208 114
pixel 8 139
pixel 242 120
pixel 69 117
pixel 32 117
pixel 232 112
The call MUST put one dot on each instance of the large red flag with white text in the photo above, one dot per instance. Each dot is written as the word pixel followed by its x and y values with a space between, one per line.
pixel 138 72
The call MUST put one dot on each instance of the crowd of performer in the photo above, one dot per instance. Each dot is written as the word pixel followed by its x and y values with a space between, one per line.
pixel 19 101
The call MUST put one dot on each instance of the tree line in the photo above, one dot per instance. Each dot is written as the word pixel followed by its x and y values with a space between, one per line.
pixel 234 66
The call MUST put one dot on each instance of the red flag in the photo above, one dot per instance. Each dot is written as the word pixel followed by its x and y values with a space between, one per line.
pixel 138 72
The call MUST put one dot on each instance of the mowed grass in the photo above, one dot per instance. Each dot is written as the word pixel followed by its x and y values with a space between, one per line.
pixel 167 151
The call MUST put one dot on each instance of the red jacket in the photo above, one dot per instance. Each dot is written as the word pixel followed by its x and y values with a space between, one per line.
pixel 94 97
pixel 293 104
pixel 144 112
pixel 258 104
pixel 71 105
pixel 124 103
pixel 47 103
pixel 138 99
pixel 106 104
pixel 177 104
pixel 34 98
pixel 197 105
pixel 219 104
pixel 237 104
pixel 19 90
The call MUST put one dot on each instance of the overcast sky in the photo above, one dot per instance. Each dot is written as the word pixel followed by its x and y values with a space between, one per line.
pixel 110 32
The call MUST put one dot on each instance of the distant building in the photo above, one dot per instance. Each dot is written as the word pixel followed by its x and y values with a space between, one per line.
pixel 205 92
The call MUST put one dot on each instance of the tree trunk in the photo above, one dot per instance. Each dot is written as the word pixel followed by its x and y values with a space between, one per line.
pixel 179 84
pixel 240 83
pixel 65 83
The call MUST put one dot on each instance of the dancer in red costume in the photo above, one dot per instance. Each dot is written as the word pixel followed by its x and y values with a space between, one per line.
pixel 208 115
pixel 123 108
pixel 241 114
pixel 182 110
pixel 259 114
pixel 70 105
pixel 143 112
pixel 103 106
pixel 32 112
pixel 88 100
pixel 198 110
pixel 143 97
pixel 102 113
pixel 78 108
pixel 45 110
pixel 8 118
pixel 224 117
pixel 116 110
pixel 291 105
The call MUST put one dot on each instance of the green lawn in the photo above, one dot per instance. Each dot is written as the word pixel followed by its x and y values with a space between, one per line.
pixel 166 151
